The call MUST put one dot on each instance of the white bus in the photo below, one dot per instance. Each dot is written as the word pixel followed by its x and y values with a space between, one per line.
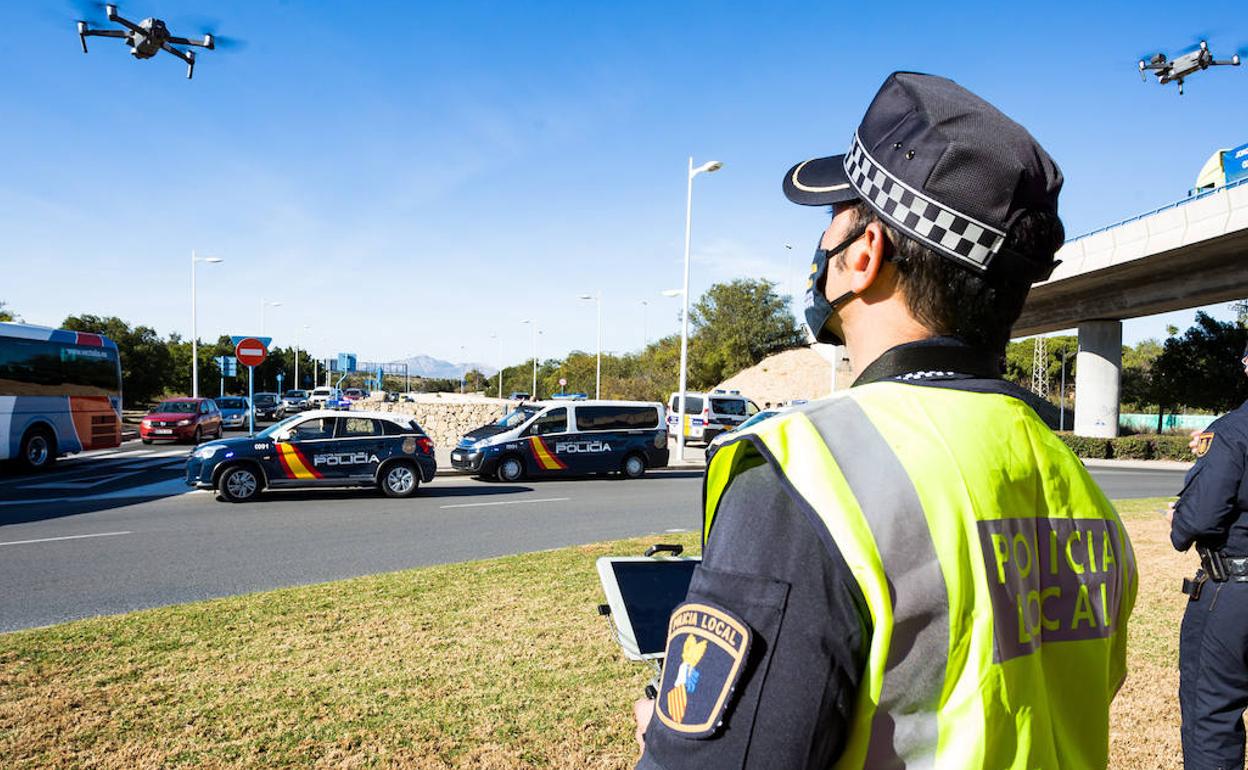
pixel 60 392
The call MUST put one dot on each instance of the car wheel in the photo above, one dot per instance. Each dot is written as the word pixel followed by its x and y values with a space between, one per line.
pixel 239 484
pixel 399 480
pixel 198 437
pixel 634 467
pixel 38 449
pixel 510 469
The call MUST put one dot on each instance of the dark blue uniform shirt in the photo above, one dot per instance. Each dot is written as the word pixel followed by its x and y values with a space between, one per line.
pixel 1215 493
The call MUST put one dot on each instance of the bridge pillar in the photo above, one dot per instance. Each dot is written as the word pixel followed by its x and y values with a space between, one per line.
pixel 1097 387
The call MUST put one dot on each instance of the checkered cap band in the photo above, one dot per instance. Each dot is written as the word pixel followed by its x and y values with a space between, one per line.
pixel 937 225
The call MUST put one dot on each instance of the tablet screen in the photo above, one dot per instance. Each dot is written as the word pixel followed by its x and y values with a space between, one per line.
pixel 651 589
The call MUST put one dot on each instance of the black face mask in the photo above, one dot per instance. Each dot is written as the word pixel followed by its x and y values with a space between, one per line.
pixel 818 310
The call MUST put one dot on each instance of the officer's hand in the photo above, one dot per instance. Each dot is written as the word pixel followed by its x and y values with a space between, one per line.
pixel 1194 441
pixel 643 710
pixel 1170 513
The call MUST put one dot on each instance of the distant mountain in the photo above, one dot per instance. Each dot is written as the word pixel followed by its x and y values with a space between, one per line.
pixel 436 368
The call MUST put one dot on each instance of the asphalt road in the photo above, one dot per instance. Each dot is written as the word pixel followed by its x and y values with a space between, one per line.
pixel 117 531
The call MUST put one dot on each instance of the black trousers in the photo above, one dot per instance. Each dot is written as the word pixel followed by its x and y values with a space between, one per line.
pixel 1213 677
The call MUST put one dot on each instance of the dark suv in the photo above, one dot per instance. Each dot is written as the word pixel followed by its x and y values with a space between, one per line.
pixel 268 406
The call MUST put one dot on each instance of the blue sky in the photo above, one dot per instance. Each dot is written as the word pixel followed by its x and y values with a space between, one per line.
pixel 416 177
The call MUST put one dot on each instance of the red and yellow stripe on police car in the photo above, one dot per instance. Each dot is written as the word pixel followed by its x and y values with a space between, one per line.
pixel 295 464
pixel 545 458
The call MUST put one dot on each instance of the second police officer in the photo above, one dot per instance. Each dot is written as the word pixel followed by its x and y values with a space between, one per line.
pixel 917 572
pixel 1213 642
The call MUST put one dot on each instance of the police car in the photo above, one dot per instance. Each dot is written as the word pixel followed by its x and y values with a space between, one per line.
pixel 553 438
pixel 707 415
pixel 322 448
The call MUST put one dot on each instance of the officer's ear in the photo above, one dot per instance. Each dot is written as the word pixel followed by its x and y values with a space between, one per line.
pixel 866 256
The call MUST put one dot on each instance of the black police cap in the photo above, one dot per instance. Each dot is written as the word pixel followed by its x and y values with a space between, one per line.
pixel 943 166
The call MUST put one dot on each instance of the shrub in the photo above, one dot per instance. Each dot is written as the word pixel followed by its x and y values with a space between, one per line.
pixel 1133 447
pixel 1171 447
pixel 1085 446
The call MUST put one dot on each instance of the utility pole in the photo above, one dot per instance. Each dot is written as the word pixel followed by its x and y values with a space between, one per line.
pixel 1040 367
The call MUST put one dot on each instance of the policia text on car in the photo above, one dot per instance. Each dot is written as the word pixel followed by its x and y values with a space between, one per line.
pixel 1212 515
pixel 926 576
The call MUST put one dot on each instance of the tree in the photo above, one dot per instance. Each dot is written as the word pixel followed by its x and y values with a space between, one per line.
pixel 1201 369
pixel 5 315
pixel 145 359
pixel 1241 312
pixel 1138 381
pixel 736 325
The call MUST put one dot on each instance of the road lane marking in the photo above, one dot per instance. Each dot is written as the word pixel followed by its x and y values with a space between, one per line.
pixel 67 537
pixel 508 502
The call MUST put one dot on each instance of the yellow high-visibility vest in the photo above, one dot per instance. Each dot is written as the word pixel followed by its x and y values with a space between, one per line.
pixel 997 576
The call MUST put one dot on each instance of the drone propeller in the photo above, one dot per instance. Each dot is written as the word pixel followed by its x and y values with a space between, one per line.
pixel 208 26
pixel 221 43
pixel 90 12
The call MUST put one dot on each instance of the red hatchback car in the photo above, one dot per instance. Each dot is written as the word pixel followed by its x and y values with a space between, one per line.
pixel 182 419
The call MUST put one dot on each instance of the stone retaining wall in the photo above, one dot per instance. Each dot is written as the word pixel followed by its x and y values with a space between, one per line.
pixel 446 418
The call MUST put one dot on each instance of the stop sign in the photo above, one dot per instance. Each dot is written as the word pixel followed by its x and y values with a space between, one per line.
pixel 250 352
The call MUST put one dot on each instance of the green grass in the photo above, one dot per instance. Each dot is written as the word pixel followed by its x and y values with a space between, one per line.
pixel 499 663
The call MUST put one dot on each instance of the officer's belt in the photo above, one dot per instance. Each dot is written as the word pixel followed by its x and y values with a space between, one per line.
pixel 1236 566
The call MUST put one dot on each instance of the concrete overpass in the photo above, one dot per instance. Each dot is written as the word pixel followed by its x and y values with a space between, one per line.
pixel 1188 254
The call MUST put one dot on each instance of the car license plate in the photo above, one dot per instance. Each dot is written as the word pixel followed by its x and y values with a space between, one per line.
pixel 457 455
pixel 162 431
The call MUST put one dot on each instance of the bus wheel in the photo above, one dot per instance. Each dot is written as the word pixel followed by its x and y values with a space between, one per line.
pixel 239 484
pixel 38 449
pixel 399 480
pixel 634 467
pixel 510 469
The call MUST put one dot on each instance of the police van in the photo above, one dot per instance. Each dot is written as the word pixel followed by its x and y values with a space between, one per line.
pixel 552 438
pixel 709 414
pixel 321 448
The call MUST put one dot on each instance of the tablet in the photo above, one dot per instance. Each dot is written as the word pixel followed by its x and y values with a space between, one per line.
pixel 642 592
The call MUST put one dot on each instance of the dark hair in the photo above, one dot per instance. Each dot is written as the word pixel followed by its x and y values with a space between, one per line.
pixel 954 301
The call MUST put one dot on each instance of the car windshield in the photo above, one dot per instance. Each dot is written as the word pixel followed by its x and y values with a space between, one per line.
pixel 275 427
pixel 177 407
pixel 518 417
pixel 732 406
pixel 296 394
pixel 231 403
pixel 265 399
pixel 763 415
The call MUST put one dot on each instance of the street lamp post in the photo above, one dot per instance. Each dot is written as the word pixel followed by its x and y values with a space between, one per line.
pixel 645 334
pixel 708 167
pixel 1062 395
pixel 498 344
pixel 263 305
pixel 195 323
pixel 598 376
pixel 533 326
pixel 463 370
pixel 297 336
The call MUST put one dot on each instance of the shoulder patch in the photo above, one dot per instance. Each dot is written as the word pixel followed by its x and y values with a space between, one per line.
pixel 706 649
pixel 1203 442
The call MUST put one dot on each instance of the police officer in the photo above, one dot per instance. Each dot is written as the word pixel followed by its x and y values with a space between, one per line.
pixel 916 572
pixel 1212 514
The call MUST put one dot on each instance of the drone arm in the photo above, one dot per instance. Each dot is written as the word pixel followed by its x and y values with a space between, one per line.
pixel 1232 62
pixel 118 18
pixel 84 33
pixel 186 56
pixel 206 42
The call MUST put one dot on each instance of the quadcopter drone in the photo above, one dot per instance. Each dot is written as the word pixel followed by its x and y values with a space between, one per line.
pixel 1194 60
pixel 147 38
